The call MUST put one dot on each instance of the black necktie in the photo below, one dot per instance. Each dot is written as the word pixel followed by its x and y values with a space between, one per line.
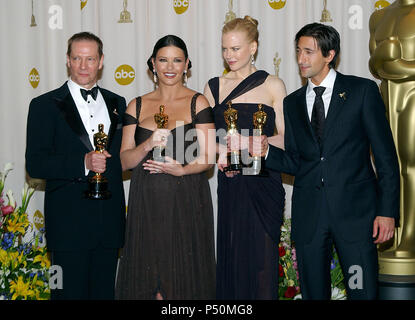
pixel 318 116
pixel 93 92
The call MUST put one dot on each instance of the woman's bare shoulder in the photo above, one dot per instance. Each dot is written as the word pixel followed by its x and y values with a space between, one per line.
pixel 275 81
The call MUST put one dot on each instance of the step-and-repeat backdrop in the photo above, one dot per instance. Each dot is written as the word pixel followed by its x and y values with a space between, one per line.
pixel 34 36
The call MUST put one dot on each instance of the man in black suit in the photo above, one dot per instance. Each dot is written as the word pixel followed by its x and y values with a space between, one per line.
pixel 331 126
pixel 83 235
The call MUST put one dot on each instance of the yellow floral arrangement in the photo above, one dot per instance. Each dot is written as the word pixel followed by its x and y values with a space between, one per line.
pixel 24 271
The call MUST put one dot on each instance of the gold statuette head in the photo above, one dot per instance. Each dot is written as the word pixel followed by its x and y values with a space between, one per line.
pixel 161 119
pixel 231 117
pixel 100 139
pixel 260 118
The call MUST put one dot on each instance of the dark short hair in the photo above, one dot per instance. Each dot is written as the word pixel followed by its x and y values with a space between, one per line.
pixel 85 36
pixel 326 36
pixel 168 41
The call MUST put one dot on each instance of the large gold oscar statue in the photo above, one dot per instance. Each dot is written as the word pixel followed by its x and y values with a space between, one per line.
pixel 230 15
pixel 392 49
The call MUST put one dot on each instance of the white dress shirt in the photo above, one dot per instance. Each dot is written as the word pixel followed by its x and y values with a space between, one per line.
pixel 92 112
pixel 328 83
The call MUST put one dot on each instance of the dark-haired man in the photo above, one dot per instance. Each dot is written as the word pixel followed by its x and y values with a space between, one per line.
pixel 83 235
pixel 331 125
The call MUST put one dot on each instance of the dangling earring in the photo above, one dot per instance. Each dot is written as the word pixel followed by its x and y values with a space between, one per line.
pixel 185 78
pixel 252 59
pixel 155 76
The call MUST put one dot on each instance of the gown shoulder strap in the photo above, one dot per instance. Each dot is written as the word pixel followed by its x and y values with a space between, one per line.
pixel 252 81
pixel 193 107
pixel 214 88
pixel 138 108
pixel 129 119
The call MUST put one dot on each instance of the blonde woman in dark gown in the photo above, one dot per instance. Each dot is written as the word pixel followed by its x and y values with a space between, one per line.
pixel 250 208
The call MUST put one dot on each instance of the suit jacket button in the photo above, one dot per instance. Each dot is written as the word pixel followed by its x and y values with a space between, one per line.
pixel 323 159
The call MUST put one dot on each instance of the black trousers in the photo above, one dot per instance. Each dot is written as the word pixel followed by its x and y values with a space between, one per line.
pixel 358 260
pixel 87 274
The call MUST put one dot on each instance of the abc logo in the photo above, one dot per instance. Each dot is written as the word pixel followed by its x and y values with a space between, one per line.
pixel 381 4
pixel 83 3
pixel 180 6
pixel 38 220
pixel 124 74
pixel 34 78
pixel 276 4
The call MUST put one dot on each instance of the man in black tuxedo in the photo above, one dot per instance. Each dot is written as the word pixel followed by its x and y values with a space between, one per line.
pixel 331 126
pixel 83 235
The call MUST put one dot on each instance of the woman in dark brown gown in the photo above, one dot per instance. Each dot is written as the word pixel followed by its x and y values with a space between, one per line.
pixel 169 251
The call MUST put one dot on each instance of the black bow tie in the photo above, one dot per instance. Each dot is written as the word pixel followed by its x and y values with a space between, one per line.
pixel 93 92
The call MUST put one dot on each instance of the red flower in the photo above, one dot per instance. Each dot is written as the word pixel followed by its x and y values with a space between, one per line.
pixel 281 251
pixel 6 210
pixel 281 270
pixel 290 292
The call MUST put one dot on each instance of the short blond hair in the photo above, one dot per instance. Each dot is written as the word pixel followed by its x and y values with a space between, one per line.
pixel 247 24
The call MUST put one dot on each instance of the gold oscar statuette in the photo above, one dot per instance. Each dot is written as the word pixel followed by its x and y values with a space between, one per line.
pixel 392 60
pixel 125 15
pixel 98 184
pixel 161 119
pixel 325 14
pixel 277 62
pixel 230 15
pixel 33 19
pixel 258 162
pixel 231 119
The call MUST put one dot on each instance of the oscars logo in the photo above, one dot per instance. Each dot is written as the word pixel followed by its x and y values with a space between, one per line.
pixel 125 16
pixel 34 78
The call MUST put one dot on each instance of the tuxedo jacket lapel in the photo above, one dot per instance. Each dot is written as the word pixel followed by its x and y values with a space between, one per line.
pixel 337 102
pixel 303 114
pixel 111 103
pixel 67 106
